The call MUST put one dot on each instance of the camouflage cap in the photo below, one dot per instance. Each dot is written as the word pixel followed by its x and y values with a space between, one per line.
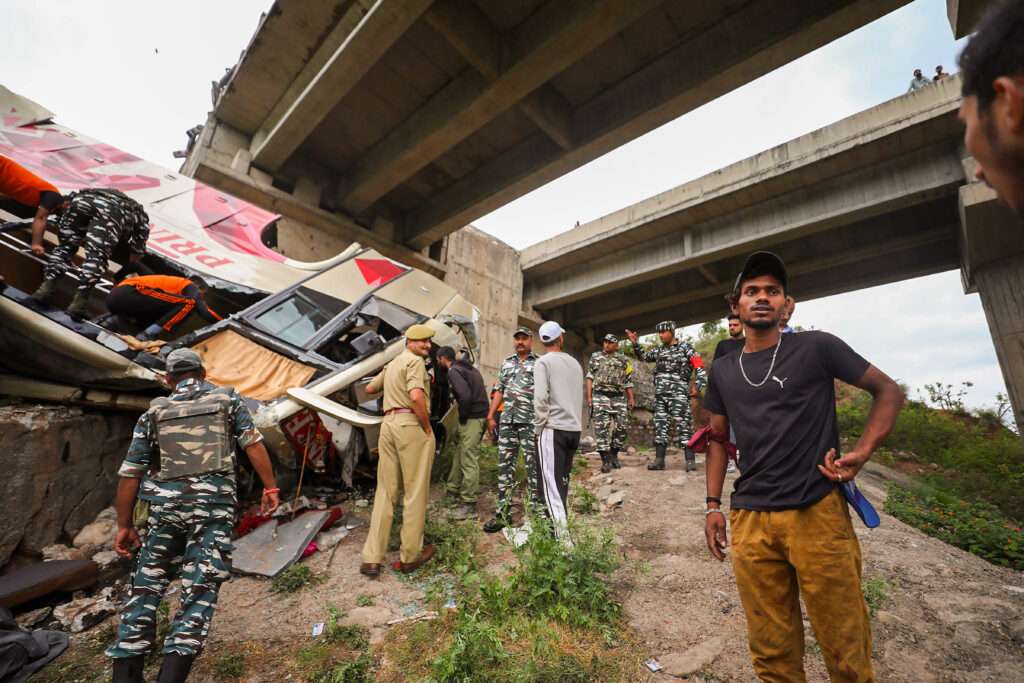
pixel 666 326
pixel 611 338
pixel 419 332
pixel 523 330
pixel 183 360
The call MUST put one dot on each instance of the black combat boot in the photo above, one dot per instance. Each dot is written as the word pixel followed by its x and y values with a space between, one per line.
pixel 606 462
pixel 613 455
pixel 175 668
pixel 659 458
pixel 129 669
pixel 691 460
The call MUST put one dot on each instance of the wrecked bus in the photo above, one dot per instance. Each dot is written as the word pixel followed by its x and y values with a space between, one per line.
pixel 298 340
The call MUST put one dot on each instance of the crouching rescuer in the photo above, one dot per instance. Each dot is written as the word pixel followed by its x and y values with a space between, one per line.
pixel 181 462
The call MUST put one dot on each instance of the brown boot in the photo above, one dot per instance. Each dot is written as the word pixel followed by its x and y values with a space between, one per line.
pixel 370 569
pixel 410 567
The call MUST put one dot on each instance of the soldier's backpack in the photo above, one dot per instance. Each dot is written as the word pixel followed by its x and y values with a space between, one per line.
pixel 194 437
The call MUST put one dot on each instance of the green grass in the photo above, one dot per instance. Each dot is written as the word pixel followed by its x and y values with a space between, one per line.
pixel 352 636
pixel 229 665
pixel 294 579
pixel 876 593
pixel 364 601
pixel 976 527
pixel 583 501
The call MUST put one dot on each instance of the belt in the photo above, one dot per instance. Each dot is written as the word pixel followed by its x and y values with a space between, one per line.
pixel 395 411
pixel 608 393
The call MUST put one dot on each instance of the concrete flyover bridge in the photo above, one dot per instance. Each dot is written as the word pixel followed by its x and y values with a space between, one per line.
pixel 397 122
pixel 882 196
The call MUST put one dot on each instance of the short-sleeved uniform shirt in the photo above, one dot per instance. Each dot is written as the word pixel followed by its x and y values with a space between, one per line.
pixel 405 373
pixel 515 382
pixel 24 186
pixel 144 454
pixel 785 427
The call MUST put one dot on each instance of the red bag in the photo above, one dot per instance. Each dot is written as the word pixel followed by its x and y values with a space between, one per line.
pixel 698 443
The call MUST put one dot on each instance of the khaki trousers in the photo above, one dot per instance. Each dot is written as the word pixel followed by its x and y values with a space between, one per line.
pixel 812 552
pixel 406 456
pixel 464 476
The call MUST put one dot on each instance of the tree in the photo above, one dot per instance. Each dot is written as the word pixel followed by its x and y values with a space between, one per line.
pixel 947 397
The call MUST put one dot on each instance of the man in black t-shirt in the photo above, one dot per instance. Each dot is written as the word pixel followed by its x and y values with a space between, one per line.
pixel 735 340
pixel 791 529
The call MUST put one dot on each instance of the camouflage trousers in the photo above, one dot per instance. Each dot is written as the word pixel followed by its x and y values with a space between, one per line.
pixel 99 238
pixel 194 541
pixel 511 437
pixel 609 421
pixel 672 409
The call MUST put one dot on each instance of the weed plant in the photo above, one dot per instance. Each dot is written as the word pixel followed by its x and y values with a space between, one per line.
pixel 294 579
pixel 876 593
pixel 976 527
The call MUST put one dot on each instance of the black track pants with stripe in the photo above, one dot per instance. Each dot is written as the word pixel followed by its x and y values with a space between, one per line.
pixel 554 453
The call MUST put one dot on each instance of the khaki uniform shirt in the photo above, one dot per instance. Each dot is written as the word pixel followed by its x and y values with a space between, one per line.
pixel 405 373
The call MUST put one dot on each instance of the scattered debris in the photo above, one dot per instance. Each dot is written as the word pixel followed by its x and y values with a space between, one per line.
pixel 654 665
pixel 318 628
pixel 362 503
pixel 83 613
pixel 517 535
pixel 328 539
pixel 274 547
pixel 36 617
pixel 422 616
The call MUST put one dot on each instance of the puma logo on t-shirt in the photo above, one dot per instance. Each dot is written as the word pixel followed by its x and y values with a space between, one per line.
pixel 780 381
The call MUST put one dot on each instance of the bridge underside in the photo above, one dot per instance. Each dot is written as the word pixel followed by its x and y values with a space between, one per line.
pixel 395 123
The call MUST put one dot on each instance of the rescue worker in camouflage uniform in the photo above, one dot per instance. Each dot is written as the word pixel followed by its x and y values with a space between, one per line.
pixel 181 461
pixel 514 389
pixel 610 398
pixel 674 363
pixel 97 219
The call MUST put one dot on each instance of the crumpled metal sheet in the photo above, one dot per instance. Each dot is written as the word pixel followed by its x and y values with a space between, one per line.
pixel 273 547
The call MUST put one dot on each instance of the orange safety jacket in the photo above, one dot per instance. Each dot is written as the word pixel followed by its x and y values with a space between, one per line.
pixel 174 290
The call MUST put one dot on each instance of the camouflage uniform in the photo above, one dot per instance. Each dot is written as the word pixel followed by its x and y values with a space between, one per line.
pixel 188 533
pixel 516 430
pixel 673 365
pixel 100 218
pixel 612 374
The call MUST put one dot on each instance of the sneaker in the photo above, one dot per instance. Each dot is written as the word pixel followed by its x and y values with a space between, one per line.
pixel 731 467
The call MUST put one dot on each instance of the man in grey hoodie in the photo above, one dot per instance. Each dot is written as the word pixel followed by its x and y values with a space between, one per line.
pixel 558 419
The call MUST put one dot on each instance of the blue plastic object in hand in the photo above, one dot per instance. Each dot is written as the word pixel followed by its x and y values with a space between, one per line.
pixel 864 509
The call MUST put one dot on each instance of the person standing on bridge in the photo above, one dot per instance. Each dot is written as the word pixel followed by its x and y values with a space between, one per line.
pixel 918 81
pixel 792 534
pixel 610 398
pixel 675 362
pixel 992 69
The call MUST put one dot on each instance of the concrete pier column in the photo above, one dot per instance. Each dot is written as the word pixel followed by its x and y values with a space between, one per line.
pixel 1001 286
pixel 992 264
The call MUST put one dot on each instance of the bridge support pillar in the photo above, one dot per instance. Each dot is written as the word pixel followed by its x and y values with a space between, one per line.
pixel 992 264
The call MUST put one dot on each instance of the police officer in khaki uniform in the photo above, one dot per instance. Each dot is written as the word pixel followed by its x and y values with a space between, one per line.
pixel 406 447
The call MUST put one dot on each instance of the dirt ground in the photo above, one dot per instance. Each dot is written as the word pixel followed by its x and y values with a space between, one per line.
pixel 946 615
pixel 942 614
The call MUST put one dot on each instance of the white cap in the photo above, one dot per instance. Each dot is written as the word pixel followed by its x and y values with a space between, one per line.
pixel 550 331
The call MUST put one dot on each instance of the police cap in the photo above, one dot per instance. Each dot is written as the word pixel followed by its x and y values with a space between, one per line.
pixel 611 338
pixel 666 326
pixel 183 360
pixel 419 333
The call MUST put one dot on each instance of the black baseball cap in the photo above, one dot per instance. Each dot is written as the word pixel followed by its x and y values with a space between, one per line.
pixel 762 263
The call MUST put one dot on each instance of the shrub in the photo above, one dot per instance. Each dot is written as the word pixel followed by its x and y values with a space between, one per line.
pixel 876 593
pixel 976 527
pixel 293 579
pixel 229 665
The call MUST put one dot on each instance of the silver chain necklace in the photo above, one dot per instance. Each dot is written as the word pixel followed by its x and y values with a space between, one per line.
pixel 771 367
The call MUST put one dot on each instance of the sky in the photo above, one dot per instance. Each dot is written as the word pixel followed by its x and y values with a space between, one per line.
pixel 137 75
